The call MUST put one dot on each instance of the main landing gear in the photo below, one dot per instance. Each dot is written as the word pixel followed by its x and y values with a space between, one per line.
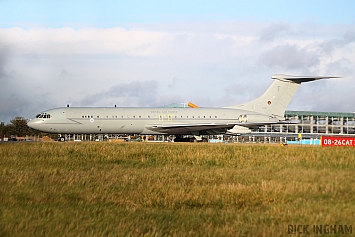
pixel 61 139
pixel 190 139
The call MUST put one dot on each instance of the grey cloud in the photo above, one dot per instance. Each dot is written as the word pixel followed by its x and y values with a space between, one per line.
pixel 329 46
pixel 15 104
pixel 4 57
pixel 202 62
pixel 125 94
pixel 349 36
pixel 239 89
pixel 271 32
pixel 64 73
pixel 342 67
pixel 137 93
pixel 328 100
pixel 289 57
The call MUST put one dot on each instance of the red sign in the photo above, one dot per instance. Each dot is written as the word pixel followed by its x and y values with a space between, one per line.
pixel 337 141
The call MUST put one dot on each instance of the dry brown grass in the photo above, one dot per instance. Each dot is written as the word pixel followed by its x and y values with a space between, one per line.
pixel 135 189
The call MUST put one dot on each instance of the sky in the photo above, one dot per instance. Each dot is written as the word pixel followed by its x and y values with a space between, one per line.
pixel 153 53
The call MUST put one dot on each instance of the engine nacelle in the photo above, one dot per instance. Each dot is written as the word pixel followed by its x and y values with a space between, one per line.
pixel 237 130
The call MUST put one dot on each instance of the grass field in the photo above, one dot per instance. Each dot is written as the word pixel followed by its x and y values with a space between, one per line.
pixel 140 189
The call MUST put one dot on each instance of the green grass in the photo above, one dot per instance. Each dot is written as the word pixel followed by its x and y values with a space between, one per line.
pixel 139 189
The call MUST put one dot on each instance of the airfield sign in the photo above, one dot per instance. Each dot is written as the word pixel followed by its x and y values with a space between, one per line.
pixel 337 141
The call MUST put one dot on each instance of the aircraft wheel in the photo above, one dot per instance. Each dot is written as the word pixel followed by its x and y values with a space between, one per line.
pixel 61 139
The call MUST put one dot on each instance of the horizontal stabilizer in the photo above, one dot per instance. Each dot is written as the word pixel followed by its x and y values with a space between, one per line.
pixel 299 79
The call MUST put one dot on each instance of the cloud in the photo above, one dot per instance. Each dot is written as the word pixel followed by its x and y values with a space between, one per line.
pixel 208 63
pixel 329 46
pixel 273 31
pixel 64 73
pixel 125 94
pixel 289 57
pixel 5 54
pixel 136 93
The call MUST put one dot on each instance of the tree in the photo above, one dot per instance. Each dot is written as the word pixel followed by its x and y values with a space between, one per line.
pixel 17 127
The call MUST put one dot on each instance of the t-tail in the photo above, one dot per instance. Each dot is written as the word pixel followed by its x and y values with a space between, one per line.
pixel 277 97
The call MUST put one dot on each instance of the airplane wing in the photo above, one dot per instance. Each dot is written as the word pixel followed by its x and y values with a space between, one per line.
pixel 203 128
pixel 185 128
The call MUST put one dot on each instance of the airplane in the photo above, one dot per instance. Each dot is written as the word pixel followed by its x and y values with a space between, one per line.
pixel 269 108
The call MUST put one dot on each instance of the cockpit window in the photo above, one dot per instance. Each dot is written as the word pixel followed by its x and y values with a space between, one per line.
pixel 43 115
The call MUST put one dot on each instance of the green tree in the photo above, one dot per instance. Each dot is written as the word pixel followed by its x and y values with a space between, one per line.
pixel 18 127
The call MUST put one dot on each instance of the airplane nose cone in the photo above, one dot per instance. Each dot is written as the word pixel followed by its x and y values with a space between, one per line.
pixel 31 124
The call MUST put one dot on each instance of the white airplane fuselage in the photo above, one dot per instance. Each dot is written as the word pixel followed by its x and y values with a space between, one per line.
pixel 77 120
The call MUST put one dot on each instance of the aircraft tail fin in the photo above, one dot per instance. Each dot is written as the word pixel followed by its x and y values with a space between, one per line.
pixel 277 97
